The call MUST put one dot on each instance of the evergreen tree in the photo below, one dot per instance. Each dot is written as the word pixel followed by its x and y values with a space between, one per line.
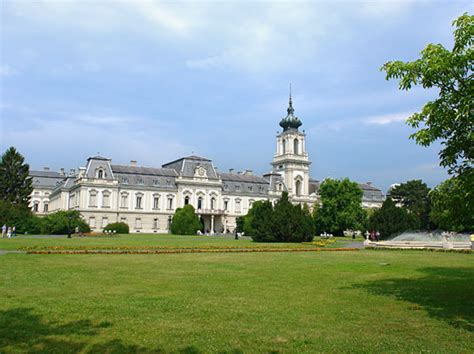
pixel 282 219
pixel 15 183
pixel 185 221
pixel 260 223
pixel 413 195
pixel 390 219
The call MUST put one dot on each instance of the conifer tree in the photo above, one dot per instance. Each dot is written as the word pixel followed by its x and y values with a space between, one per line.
pixel 15 183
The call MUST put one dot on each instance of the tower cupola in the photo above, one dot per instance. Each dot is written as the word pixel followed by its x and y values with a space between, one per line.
pixel 290 121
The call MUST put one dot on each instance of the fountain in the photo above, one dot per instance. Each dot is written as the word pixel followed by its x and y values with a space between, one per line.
pixel 424 239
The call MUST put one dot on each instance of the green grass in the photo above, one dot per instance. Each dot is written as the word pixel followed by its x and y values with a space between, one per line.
pixel 258 302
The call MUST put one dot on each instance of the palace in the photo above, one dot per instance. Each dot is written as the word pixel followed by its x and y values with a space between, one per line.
pixel 146 198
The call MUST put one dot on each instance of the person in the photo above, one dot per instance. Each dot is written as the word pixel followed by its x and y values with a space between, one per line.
pixel 377 236
pixel 472 241
pixel 4 230
pixel 13 231
pixel 9 232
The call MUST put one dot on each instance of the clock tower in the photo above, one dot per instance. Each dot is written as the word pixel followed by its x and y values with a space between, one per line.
pixel 291 159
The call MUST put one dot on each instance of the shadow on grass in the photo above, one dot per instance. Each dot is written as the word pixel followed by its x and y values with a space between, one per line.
pixel 447 294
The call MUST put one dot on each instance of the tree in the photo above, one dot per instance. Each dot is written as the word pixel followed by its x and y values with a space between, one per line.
pixel 453 204
pixel 63 222
pixel 413 195
pixel 341 207
pixel 259 222
pixel 15 183
pixel 390 219
pixel 185 221
pixel 449 118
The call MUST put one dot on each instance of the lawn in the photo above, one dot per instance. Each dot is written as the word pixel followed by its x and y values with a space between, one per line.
pixel 243 302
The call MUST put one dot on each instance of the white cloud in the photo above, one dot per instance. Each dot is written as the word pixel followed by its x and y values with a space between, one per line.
pixel 387 118
pixel 7 70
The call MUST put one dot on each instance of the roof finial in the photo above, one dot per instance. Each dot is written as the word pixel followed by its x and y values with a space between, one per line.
pixel 290 109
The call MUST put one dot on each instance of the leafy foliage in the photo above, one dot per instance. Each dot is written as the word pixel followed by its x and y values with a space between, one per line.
pixel 19 216
pixel 414 196
pixel 185 221
pixel 15 183
pixel 341 207
pixel 62 222
pixel 390 219
pixel 283 223
pixel 118 227
pixel 449 117
pixel 453 204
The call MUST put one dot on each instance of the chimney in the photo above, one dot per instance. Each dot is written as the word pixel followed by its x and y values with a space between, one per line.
pixel 82 172
pixel 133 162
pixel 369 183
pixel 46 168
pixel 231 170
pixel 72 172
pixel 62 171
pixel 248 173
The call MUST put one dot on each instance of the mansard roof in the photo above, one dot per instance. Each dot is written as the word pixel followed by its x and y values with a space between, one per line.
pixel 239 177
pixel 47 179
pixel 147 171
pixel 99 157
pixel 186 166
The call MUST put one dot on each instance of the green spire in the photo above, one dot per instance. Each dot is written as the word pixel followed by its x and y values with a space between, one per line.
pixel 290 121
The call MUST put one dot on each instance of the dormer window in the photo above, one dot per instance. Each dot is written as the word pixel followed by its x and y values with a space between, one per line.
pixel 100 173
pixel 125 180
pixel 140 181
pixel 156 182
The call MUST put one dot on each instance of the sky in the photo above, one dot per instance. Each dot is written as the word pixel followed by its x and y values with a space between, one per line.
pixel 154 81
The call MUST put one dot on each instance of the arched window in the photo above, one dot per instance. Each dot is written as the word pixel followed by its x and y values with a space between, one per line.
pixel 296 146
pixel 200 203
pixel 186 200
pixel 213 203
pixel 284 146
pixel 298 187
pixel 100 174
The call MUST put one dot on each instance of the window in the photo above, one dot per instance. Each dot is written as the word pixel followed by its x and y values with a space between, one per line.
pixel 45 208
pixel 280 186
pixel 226 186
pixel 140 181
pixel 296 146
pixel 105 221
pixel 92 222
pixel 35 207
pixel 93 198
pixel 186 200
pixel 125 180
pixel 284 146
pixel 237 205
pixel 200 203
pixel 250 203
pixel 156 202
pixel 155 223
pixel 226 205
pixel 138 204
pixel 124 200
pixel 105 199
pixel 46 193
pixel 138 223
pixel 123 219
pixel 100 174
pixel 170 203
pixel 281 166
pixel 213 203
pixel 168 182
pixel 170 218
pixel 298 187
pixel 250 188
pixel 156 182
pixel 237 188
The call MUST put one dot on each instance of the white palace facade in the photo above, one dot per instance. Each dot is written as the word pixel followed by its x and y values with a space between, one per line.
pixel 146 198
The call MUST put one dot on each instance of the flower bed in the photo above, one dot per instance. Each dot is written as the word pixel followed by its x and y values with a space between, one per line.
pixel 188 250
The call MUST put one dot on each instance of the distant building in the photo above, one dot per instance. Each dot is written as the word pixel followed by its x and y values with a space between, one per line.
pixel 146 198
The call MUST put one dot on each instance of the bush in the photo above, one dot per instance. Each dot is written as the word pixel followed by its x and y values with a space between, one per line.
pixel 283 223
pixel 390 219
pixel 185 221
pixel 118 227
pixel 19 216
pixel 61 222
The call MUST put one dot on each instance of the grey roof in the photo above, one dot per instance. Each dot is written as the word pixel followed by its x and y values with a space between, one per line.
pixel 191 157
pixel 46 179
pixel 365 186
pixel 186 166
pixel 98 157
pixel 145 171
pixel 242 178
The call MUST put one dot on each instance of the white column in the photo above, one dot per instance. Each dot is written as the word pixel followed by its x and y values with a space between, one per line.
pixel 212 225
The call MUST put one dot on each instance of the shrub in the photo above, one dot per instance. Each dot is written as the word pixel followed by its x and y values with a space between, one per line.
pixel 185 221
pixel 118 227
pixel 61 222
pixel 390 219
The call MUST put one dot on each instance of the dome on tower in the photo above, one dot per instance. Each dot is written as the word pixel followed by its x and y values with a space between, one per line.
pixel 290 121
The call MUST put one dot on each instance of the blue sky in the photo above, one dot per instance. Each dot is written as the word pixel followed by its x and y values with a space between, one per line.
pixel 154 81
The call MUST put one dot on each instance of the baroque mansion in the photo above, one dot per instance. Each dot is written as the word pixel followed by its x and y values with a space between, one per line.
pixel 146 198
